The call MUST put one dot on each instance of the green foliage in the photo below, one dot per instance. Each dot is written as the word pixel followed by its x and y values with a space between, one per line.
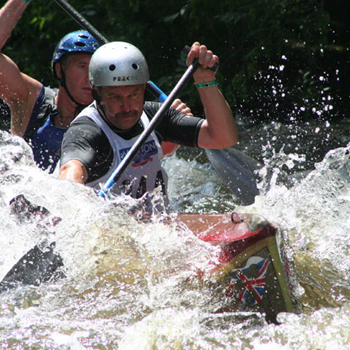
pixel 273 53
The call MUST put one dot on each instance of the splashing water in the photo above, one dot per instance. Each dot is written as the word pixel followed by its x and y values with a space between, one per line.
pixel 131 285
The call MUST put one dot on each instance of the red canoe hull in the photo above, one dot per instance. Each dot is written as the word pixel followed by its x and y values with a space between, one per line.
pixel 248 271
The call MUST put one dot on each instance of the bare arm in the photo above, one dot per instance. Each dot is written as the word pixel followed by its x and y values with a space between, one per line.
pixel 18 90
pixel 219 129
pixel 10 14
pixel 74 171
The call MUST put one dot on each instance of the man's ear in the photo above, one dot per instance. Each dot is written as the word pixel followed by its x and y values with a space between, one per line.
pixel 57 68
pixel 95 94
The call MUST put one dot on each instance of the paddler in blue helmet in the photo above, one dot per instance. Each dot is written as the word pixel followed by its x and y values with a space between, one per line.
pixel 102 134
pixel 39 114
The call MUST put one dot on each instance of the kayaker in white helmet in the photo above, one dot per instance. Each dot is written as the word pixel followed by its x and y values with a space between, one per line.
pixel 101 135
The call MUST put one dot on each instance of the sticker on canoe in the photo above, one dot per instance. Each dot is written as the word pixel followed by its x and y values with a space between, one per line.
pixel 254 287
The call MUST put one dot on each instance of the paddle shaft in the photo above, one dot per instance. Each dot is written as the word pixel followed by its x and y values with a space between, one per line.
pixel 82 21
pixel 147 132
pixel 152 88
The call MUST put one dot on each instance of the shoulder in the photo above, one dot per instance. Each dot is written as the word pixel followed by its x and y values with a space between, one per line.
pixel 84 127
pixel 83 137
pixel 85 141
pixel 151 108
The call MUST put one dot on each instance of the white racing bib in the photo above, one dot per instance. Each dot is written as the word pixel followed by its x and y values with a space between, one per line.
pixel 144 173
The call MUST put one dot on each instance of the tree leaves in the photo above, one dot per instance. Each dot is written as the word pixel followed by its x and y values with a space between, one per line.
pixel 250 37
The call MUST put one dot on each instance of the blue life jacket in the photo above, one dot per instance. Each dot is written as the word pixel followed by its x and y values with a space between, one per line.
pixel 44 137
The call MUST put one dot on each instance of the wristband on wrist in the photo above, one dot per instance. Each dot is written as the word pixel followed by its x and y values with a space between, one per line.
pixel 27 1
pixel 205 85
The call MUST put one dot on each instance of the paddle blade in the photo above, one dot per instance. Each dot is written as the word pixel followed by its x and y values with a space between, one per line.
pixel 36 266
pixel 40 263
pixel 237 170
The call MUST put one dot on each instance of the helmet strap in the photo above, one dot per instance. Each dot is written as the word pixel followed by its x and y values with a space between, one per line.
pixel 62 81
pixel 96 97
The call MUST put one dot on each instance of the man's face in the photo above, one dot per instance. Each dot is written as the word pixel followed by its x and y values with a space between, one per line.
pixel 123 105
pixel 76 71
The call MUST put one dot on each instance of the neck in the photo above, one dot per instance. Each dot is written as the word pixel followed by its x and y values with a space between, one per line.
pixel 66 109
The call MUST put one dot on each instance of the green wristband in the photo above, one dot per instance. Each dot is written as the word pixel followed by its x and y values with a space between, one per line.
pixel 205 85
pixel 27 1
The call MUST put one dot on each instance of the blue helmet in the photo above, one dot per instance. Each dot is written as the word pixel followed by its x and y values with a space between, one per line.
pixel 78 41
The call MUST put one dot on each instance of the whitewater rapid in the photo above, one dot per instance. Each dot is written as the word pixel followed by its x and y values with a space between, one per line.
pixel 132 286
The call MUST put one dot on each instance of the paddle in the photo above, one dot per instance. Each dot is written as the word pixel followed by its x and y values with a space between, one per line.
pixel 145 134
pixel 41 263
pixel 235 168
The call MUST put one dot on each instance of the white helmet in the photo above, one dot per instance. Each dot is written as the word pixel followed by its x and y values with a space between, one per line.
pixel 118 63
